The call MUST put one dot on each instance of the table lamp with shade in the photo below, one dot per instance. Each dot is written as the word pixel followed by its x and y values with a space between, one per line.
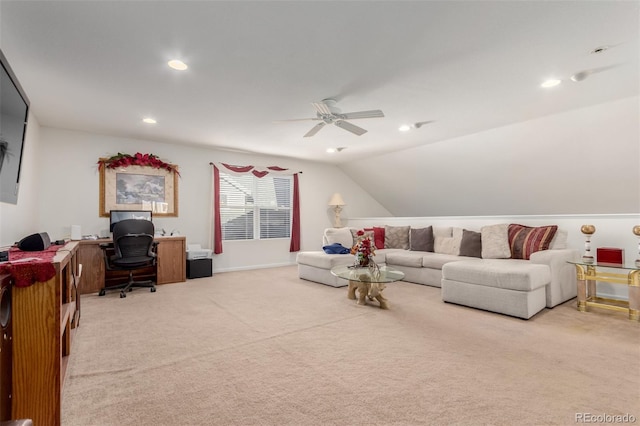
pixel 337 202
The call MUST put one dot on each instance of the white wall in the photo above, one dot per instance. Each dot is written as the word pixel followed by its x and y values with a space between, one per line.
pixel 19 220
pixel 69 193
pixel 60 181
pixel 612 230
pixel 581 161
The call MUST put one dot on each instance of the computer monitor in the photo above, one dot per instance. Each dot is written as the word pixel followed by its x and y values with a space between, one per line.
pixel 116 216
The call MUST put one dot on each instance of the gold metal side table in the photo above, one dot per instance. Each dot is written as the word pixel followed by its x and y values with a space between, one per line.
pixel 588 274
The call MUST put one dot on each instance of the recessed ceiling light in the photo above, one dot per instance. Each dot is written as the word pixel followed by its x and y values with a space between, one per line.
pixel 149 120
pixel 551 83
pixel 334 150
pixel 177 64
pixel 404 128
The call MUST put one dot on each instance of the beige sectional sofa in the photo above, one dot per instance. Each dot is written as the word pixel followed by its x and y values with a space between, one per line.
pixel 487 277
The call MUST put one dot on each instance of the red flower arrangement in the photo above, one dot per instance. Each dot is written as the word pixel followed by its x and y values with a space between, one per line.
pixel 138 159
pixel 364 249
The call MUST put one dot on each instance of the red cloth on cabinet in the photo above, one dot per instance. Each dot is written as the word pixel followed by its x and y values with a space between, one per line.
pixel 29 267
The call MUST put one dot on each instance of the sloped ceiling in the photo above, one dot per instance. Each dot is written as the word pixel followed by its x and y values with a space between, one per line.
pixel 461 66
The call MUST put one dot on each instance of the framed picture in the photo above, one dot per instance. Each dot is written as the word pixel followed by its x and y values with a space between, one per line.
pixel 139 188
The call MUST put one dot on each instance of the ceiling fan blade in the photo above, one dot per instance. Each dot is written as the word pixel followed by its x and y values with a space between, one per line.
pixel 376 113
pixel 350 127
pixel 296 119
pixel 315 129
pixel 322 108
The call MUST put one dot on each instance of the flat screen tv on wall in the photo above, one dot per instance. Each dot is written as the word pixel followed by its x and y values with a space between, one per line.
pixel 14 112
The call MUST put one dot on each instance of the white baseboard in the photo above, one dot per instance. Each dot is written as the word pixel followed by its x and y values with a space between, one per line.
pixel 251 267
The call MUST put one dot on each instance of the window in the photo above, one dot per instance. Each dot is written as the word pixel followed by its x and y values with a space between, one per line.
pixel 255 208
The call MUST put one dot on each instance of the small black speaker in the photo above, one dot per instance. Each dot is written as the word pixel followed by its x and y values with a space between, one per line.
pixel 198 268
pixel 35 242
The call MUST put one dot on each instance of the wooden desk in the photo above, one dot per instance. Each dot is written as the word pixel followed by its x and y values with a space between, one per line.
pixel 171 268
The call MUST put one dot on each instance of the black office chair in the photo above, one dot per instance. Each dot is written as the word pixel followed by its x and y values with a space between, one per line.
pixel 132 248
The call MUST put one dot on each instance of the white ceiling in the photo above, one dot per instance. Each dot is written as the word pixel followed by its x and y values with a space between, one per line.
pixel 466 66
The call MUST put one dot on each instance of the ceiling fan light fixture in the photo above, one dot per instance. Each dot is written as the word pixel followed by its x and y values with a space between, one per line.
pixel 177 64
pixel 552 82
pixel 404 128
pixel 149 120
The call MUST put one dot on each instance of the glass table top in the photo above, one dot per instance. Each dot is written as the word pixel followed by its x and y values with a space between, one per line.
pixel 627 266
pixel 383 274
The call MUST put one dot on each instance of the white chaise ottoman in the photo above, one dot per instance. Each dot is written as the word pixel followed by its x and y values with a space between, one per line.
pixel 507 286
pixel 316 266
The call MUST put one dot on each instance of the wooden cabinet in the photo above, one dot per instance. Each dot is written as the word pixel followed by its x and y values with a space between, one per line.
pixel 172 260
pixel 6 346
pixel 90 256
pixel 45 317
pixel 171 267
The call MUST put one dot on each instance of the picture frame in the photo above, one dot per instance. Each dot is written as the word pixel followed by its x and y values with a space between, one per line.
pixel 139 188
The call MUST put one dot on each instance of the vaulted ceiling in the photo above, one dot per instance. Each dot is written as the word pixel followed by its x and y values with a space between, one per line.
pixel 461 67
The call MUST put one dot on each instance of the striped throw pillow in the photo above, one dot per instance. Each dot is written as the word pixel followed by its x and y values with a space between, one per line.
pixel 525 240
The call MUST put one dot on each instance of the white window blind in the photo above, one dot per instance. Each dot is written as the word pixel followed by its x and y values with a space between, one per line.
pixel 252 208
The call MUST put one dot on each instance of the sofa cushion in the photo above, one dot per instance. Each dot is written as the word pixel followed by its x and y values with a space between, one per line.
pixel 421 239
pixel 495 241
pixel 511 274
pixel 338 235
pixel 396 237
pixel 320 259
pixel 381 255
pixel 471 244
pixel 438 260
pixel 405 258
pixel 525 240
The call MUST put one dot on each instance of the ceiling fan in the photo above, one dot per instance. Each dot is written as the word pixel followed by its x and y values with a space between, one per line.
pixel 328 113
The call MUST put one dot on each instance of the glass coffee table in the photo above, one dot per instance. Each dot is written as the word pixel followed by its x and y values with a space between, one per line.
pixel 369 282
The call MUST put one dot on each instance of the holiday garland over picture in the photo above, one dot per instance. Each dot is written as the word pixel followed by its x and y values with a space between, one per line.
pixel 146 160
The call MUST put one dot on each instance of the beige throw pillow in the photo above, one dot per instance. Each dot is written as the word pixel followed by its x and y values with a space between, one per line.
pixel 442 239
pixel 495 241
pixel 450 244
pixel 396 237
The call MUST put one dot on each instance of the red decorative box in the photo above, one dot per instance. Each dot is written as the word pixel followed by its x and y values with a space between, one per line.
pixel 610 256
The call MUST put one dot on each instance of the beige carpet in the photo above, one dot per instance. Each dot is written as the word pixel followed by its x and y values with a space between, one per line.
pixel 265 348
